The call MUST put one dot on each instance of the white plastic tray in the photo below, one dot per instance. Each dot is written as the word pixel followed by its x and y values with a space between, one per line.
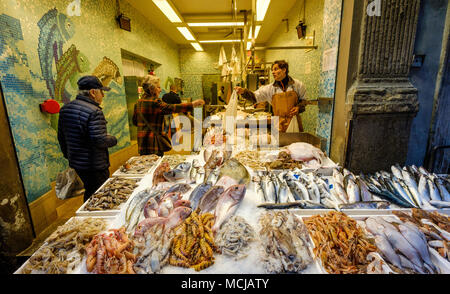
pixel 108 212
pixel 118 173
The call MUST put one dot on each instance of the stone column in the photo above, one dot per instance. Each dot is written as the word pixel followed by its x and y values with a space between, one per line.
pixel 382 102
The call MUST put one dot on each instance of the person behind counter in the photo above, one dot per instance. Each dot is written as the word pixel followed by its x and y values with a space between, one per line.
pixel 170 98
pixel 285 95
pixel 83 137
pixel 149 114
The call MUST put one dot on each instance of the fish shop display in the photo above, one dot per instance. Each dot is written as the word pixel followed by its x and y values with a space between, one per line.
pixel 63 251
pixel 285 242
pixel 193 245
pixel 152 250
pixel 112 194
pixel 410 187
pixel 234 237
pixel 111 253
pixel 339 243
pixel 138 165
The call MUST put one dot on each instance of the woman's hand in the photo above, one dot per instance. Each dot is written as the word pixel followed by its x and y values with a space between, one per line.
pixel 197 103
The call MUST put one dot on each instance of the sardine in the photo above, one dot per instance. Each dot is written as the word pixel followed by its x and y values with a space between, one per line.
pixel 227 204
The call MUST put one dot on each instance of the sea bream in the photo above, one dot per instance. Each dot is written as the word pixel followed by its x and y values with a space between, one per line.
pixel 228 203
pixel 180 172
pixel 209 200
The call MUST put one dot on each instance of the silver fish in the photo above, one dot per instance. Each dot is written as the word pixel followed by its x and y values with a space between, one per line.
pixel 200 176
pixel 440 262
pixel 338 177
pixel 401 191
pixel 440 204
pixel 269 189
pixel 396 172
pixel 401 244
pixel 314 192
pixel 340 191
pixel 445 195
pixel 365 194
pixel 418 244
pixel 366 205
pixel 283 195
pixel 412 185
pixel 353 192
pixel 227 204
pixel 388 252
pixel 260 193
pixel 434 192
pixel 423 188
pixel 213 176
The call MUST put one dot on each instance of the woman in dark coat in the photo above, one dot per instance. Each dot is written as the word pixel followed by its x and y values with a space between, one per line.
pixel 149 114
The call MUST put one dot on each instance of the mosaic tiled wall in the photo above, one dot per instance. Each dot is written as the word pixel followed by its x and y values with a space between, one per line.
pixel 44 49
pixel 331 31
pixel 304 65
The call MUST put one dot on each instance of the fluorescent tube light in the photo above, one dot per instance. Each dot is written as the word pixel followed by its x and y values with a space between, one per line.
pixel 257 29
pixel 216 24
pixel 261 9
pixel 197 46
pixel 186 33
pixel 219 41
pixel 249 45
pixel 168 11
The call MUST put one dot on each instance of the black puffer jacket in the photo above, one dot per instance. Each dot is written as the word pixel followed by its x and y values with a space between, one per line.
pixel 82 135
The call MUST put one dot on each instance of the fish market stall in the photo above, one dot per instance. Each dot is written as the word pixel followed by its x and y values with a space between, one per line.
pixel 231 212
pixel 137 166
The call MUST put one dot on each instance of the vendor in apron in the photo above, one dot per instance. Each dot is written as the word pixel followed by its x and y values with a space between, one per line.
pixel 284 94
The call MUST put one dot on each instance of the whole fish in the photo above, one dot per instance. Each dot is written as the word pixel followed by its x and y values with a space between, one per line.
pixel 198 193
pixel 374 227
pixel 440 204
pixel 209 200
pixel 234 169
pixel 213 176
pixel 406 263
pixel 260 193
pixel 434 192
pixel 177 216
pixel 416 241
pixel 314 192
pixel 228 203
pixel 193 173
pixel 440 262
pixel 298 190
pixel 412 185
pixel 268 188
pixel 401 191
pixel 401 244
pixel 397 172
pixel 366 205
pixel 445 195
pixel 340 191
pixel 365 194
pixel 175 175
pixel 283 195
pixel 388 252
pixel 353 192
pixel 330 204
pixel 423 188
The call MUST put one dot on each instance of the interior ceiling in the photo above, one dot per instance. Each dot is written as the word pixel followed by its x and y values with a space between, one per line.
pixel 212 11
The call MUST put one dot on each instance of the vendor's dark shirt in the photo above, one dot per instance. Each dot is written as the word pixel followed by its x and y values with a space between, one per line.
pixel 171 98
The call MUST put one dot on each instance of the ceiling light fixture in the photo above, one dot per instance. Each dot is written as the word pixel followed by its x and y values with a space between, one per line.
pixel 197 46
pixel 186 33
pixel 257 29
pixel 249 45
pixel 261 9
pixel 167 9
pixel 216 24
pixel 219 41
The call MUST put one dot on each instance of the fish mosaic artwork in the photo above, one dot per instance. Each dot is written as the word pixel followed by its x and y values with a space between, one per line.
pixel 107 71
pixel 69 68
pixel 55 30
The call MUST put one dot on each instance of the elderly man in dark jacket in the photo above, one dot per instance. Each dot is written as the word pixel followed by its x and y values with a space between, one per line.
pixel 83 137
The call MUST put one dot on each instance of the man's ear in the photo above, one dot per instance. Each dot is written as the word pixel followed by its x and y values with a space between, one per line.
pixel 92 93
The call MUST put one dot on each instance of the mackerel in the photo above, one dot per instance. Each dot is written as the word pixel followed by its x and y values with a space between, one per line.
pixel 434 192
